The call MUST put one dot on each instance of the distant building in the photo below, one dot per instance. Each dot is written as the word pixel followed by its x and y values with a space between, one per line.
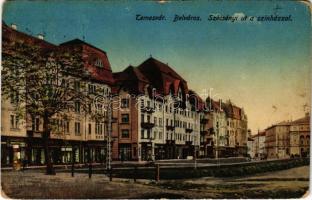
pixel 259 145
pixel 250 149
pixel 225 132
pixel 288 139
pixel 300 137
pixel 277 140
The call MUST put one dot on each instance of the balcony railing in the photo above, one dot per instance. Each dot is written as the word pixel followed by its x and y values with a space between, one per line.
pixel 147 125
pixel 204 132
pixel 204 120
pixel 188 130
pixel 188 142
pixel 170 127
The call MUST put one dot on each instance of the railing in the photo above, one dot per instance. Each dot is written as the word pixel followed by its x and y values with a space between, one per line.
pixel 204 121
pixel 147 125
pixel 170 127
pixel 189 130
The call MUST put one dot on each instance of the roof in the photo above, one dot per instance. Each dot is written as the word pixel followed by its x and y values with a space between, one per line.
pixel 90 54
pixel 11 34
pixel 101 74
pixel 130 73
pixel 162 67
pixel 260 133
pixel 132 79
pixel 304 120
pixel 200 103
pixel 77 41
pixel 283 123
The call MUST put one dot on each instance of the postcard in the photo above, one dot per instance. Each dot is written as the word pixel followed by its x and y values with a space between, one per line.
pixel 155 99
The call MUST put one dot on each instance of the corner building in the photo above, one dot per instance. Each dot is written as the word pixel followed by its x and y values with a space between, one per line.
pixel 158 116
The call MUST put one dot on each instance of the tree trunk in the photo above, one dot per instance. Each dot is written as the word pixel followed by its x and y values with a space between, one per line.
pixel 47 154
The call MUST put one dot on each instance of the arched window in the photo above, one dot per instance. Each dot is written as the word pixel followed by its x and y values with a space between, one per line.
pixel 301 140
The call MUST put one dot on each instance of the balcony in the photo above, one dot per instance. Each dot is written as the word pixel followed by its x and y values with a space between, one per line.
pixel 170 142
pixel 147 109
pixel 188 130
pixel 204 132
pixel 170 127
pixel 147 125
pixel 188 142
pixel 204 120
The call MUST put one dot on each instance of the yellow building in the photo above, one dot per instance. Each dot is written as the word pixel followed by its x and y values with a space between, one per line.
pixel 300 137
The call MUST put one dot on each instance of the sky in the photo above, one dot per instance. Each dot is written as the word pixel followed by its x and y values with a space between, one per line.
pixel 262 66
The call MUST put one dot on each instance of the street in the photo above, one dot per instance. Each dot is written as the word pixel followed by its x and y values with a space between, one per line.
pixel 291 183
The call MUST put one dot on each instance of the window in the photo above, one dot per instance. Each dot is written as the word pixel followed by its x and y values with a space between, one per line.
pixel 148 133
pixel 37 123
pixel 91 89
pixel 142 103
pixel 155 135
pixel 125 133
pixel 66 126
pixel 89 107
pixel 12 117
pixel 98 63
pixel 77 128
pixel 125 118
pixel 142 118
pixel 124 103
pixel 160 122
pixel 77 106
pixel 155 121
pixel 148 118
pixel 14 121
pixel 142 133
pixel 90 129
pixel 167 122
pixel 148 104
pixel 160 135
pixel 77 86
pixel 98 128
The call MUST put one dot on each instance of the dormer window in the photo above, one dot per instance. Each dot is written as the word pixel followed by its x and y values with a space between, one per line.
pixel 180 94
pixel 98 63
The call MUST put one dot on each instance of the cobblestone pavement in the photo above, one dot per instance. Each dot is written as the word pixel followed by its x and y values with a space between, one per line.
pixel 289 183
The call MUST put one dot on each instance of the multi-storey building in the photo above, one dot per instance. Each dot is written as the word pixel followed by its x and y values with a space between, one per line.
pixel 277 140
pixel 70 136
pixel 300 137
pixel 258 145
pixel 237 129
pixel 224 131
pixel 288 139
pixel 157 119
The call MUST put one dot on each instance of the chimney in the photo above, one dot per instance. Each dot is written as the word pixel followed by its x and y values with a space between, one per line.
pixel 14 26
pixel 40 36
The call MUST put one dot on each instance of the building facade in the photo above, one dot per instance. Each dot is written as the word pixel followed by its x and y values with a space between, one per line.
pixel 300 137
pixel 161 120
pixel 73 136
pixel 223 130
pixel 259 145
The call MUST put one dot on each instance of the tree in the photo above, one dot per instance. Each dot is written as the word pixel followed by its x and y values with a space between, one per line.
pixel 43 79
